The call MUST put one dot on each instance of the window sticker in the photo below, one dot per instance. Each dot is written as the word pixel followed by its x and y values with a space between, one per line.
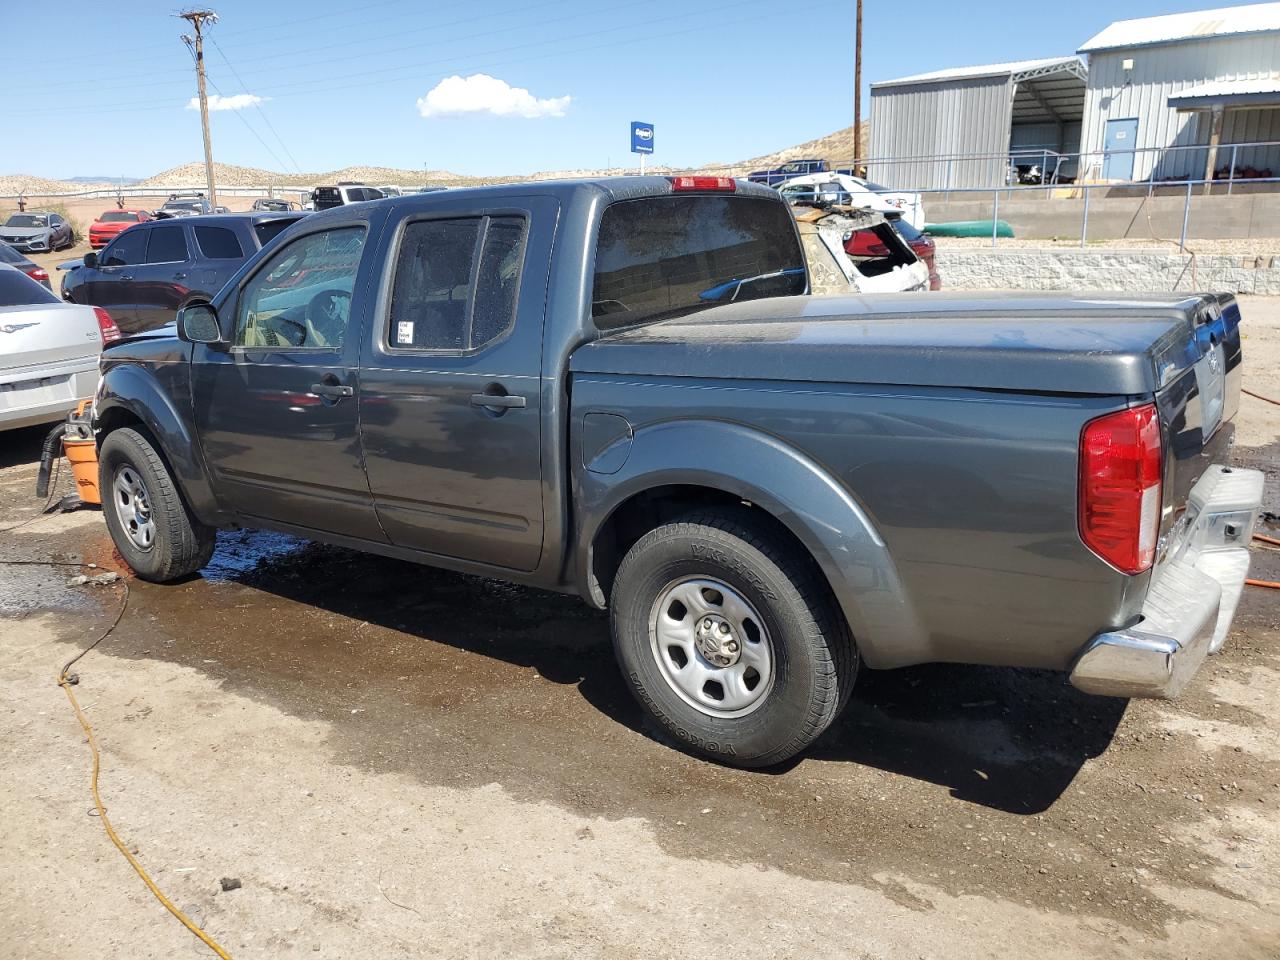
pixel 404 332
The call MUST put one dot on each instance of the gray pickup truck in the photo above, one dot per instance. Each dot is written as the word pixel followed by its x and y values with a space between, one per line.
pixel 620 388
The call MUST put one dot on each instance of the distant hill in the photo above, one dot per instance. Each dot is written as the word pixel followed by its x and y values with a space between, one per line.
pixel 837 146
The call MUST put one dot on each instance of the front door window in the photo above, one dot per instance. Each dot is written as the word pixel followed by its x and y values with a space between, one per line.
pixel 301 299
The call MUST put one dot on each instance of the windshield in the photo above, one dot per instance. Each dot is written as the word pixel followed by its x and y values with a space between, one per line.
pixel 118 216
pixel 182 205
pixel 665 256
pixel 26 220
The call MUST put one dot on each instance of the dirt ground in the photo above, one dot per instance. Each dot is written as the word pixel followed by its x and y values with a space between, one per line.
pixel 398 762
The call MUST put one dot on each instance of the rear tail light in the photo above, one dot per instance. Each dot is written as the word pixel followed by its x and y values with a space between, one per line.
pixel 39 274
pixel 722 184
pixel 1120 461
pixel 107 327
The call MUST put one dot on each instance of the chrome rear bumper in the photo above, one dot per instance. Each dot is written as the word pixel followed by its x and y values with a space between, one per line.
pixel 1192 599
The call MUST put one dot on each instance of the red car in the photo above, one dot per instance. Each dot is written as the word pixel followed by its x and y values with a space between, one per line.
pixel 864 243
pixel 106 228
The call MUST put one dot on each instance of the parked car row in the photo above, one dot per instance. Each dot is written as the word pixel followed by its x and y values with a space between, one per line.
pixel 154 268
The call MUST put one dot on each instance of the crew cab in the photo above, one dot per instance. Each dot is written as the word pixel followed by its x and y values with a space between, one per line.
pixel 622 388
pixel 152 269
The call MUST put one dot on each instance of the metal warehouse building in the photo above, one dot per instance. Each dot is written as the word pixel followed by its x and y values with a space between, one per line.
pixel 1165 92
pixel 957 128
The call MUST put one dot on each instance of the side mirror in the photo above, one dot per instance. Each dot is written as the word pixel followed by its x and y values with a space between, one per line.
pixel 198 323
pixel 91 259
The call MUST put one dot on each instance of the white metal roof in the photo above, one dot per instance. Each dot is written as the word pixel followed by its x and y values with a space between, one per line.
pixel 1223 22
pixel 993 70
pixel 1241 92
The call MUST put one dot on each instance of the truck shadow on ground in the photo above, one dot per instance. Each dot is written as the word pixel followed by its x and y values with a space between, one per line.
pixel 1012 740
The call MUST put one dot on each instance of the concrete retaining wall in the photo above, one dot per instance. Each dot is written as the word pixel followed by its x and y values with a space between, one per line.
pixel 1240 216
pixel 1048 269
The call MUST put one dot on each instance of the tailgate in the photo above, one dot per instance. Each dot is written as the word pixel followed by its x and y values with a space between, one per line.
pixel 1198 406
pixel 37 335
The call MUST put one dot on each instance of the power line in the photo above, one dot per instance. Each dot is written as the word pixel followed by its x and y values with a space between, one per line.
pixel 293 64
pixel 261 112
pixel 145 106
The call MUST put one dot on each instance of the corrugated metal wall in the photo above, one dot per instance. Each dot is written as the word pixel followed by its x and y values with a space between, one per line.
pixel 1165 69
pixel 1054 137
pixel 927 120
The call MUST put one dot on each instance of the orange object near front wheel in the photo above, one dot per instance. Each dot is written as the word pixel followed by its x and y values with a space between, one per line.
pixel 83 457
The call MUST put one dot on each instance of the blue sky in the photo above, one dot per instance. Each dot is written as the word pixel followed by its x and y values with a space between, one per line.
pixel 345 84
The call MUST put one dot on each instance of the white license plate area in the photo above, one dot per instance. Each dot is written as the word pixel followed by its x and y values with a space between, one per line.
pixel 30 393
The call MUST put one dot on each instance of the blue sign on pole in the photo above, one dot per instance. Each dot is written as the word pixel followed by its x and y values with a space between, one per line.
pixel 641 137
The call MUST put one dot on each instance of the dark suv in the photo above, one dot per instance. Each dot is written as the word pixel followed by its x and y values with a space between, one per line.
pixel 151 270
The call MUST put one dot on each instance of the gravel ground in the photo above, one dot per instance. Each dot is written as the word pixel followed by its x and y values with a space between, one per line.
pixel 397 762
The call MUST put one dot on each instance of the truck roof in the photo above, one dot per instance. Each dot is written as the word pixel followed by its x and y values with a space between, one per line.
pixel 567 191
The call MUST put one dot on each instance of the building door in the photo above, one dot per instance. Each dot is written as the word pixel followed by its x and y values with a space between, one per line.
pixel 1118 146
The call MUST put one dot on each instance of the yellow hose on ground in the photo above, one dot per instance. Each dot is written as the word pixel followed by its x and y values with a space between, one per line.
pixel 64 682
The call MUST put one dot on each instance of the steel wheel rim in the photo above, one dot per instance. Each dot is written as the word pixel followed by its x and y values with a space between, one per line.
pixel 711 647
pixel 133 507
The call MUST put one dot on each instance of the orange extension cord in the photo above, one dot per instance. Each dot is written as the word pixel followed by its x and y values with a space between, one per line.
pixel 1272 584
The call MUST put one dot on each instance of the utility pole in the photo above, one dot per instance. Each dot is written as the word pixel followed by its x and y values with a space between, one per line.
pixel 857 91
pixel 198 18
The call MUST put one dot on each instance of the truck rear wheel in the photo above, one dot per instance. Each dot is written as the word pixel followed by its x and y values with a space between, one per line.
pixel 730 638
pixel 150 525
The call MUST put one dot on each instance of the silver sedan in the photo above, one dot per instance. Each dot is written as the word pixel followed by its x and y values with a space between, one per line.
pixel 48 351
pixel 37 232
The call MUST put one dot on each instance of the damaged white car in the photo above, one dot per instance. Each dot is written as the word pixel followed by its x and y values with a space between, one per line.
pixel 882 262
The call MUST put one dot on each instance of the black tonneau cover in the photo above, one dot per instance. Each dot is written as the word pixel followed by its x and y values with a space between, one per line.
pixel 1099 344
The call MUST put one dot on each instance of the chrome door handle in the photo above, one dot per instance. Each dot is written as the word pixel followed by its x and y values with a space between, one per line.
pixel 496 401
pixel 334 391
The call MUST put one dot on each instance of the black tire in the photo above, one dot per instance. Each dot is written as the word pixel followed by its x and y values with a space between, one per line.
pixel 813 660
pixel 179 544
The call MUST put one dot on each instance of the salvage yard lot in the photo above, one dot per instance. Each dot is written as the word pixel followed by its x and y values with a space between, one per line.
pixel 402 762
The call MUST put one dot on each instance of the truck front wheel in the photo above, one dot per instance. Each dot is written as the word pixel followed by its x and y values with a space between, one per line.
pixel 150 525
pixel 729 637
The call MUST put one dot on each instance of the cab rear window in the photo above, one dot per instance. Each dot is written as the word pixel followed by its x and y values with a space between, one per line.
pixel 662 257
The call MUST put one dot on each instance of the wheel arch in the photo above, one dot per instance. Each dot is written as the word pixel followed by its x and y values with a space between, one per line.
pixel 128 396
pixel 792 493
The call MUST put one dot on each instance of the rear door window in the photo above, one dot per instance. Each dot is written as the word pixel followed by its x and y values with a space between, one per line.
pixel 456 283
pixel 166 245
pixel 662 257
pixel 219 243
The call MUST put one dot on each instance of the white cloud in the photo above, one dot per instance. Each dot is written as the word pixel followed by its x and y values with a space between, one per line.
pixel 481 93
pixel 218 102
